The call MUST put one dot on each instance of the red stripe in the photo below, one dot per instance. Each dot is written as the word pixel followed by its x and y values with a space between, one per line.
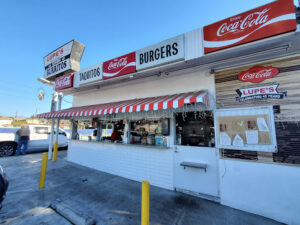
pixel 194 97
pixel 170 103
pixel 181 101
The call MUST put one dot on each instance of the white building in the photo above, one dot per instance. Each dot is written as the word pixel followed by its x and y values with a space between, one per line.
pixel 195 117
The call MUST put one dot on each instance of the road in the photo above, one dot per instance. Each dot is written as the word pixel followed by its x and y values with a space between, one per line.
pixel 106 198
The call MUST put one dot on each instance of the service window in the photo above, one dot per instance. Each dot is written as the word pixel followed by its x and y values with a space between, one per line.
pixel 251 129
pixel 150 132
pixel 195 129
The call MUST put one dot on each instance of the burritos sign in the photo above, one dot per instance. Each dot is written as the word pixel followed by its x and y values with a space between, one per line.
pixel 88 75
pixel 64 59
pixel 259 93
pixel 64 82
pixel 119 66
pixel 258 74
pixel 272 19
pixel 161 53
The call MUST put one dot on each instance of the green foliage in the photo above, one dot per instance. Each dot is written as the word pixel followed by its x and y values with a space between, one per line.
pixel 18 123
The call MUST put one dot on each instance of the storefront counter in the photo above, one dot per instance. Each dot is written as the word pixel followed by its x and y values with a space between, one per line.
pixel 118 145
pixel 135 162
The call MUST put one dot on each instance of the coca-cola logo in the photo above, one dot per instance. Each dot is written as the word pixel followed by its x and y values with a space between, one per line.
pixel 258 74
pixel 64 82
pixel 272 19
pixel 238 24
pixel 119 66
pixel 116 64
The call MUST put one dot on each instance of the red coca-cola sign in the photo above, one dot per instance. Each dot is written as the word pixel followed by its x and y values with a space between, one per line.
pixel 64 82
pixel 258 74
pixel 119 66
pixel 272 19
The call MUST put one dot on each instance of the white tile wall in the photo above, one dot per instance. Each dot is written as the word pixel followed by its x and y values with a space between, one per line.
pixel 132 162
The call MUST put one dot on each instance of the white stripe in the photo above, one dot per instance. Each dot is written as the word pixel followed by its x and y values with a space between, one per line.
pixel 187 99
pixel 175 102
pixel 113 74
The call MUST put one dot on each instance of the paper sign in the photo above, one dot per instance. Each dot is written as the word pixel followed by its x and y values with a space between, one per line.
pixel 252 137
pixel 238 141
pixel 262 125
pixel 225 139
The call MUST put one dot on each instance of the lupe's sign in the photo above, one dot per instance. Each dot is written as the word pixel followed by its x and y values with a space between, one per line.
pixel 258 74
pixel 259 93
pixel 119 66
pixel 58 61
pixel 164 52
pixel 272 19
pixel 88 75
pixel 64 82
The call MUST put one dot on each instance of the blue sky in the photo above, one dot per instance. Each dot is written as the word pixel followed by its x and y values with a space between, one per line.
pixel 31 29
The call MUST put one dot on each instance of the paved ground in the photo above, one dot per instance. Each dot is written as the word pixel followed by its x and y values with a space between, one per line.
pixel 106 198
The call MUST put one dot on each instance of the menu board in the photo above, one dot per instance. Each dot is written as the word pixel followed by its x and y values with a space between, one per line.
pixel 246 129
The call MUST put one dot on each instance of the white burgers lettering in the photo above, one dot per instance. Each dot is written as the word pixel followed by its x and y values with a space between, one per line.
pixel 159 53
pixel 253 19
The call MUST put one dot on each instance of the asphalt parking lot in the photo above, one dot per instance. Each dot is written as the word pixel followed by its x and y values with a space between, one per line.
pixel 106 198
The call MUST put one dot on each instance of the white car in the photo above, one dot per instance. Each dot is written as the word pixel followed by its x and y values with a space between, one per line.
pixel 39 140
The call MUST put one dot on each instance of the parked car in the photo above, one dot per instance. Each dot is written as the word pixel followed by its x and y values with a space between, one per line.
pixel 39 140
pixel 3 185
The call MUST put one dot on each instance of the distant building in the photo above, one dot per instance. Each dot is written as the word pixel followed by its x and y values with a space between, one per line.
pixel 5 121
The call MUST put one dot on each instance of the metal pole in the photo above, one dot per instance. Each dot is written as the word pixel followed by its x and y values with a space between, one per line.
pixel 57 129
pixel 145 218
pixel 98 131
pixel 43 171
pixel 53 108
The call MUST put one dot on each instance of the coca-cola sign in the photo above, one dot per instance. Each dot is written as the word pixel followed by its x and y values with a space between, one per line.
pixel 272 19
pixel 258 74
pixel 119 66
pixel 64 82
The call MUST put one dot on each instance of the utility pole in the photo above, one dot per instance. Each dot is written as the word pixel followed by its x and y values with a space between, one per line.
pixel 53 109
pixel 58 120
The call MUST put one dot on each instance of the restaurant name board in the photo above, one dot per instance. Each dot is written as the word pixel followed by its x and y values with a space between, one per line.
pixel 58 61
pixel 89 74
pixel 119 66
pixel 271 19
pixel 258 74
pixel 64 82
pixel 259 93
pixel 161 53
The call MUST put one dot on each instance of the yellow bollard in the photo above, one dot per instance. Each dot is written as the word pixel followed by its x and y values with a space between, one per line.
pixel 54 157
pixel 145 203
pixel 43 171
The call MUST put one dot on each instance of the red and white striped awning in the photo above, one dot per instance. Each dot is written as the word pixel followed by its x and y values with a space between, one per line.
pixel 134 105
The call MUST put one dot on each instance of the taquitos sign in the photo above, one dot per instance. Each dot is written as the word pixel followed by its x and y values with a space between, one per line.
pixel 272 19
pixel 258 74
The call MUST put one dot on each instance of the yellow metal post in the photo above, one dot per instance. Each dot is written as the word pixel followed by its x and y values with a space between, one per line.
pixel 43 171
pixel 55 151
pixel 145 203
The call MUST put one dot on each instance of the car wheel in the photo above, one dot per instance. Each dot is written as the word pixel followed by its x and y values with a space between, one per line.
pixel 7 149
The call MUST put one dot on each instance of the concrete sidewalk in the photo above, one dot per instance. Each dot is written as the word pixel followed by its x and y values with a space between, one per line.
pixel 106 198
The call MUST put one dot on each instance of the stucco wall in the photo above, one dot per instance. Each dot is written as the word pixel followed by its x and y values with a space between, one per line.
pixel 149 87
pixel 270 190
pixel 133 162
